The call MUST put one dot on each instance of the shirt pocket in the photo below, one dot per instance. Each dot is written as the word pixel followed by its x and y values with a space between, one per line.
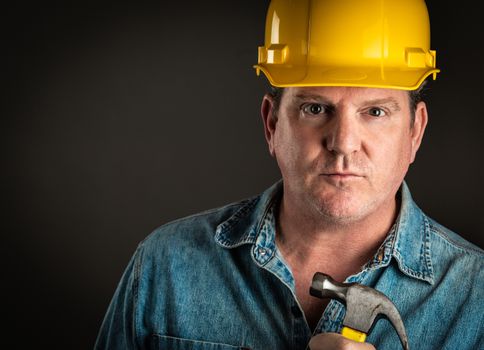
pixel 164 342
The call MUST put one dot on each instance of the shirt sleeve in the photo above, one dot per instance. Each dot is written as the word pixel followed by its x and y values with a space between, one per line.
pixel 119 327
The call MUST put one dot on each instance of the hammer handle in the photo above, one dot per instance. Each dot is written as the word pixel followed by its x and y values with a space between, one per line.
pixel 353 334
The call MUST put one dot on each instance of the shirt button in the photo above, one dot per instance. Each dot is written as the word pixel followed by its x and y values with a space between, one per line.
pixel 262 251
pixel 381 255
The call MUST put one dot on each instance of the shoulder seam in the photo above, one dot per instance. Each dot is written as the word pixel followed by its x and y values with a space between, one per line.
pixel 205 212
pixel 137 274
pixel 448 240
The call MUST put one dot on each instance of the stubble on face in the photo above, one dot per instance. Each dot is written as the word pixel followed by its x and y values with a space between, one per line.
pixel 333 196
pixel 341 187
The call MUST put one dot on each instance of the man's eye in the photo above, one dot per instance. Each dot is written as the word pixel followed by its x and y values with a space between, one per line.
pixel 376 112
pixel 314 108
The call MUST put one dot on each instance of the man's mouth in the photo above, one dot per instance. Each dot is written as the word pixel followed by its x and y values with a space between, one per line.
pixel 342 176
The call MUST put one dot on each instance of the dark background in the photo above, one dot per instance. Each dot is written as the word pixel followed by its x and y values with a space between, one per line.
pixel 117 118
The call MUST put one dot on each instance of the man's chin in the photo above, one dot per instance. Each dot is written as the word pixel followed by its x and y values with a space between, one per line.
pixel 340 218
pixel 343 212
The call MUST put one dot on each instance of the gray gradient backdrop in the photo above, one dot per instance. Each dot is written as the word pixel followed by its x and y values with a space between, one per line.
pixel 117 118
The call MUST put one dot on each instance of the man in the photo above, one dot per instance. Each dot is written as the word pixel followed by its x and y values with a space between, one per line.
pixel 343 129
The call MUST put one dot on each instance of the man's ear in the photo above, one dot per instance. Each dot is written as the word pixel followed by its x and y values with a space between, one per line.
pixel 418 129
pixel 269 119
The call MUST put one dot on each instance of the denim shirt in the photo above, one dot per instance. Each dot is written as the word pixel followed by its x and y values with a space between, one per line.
pixel 216 280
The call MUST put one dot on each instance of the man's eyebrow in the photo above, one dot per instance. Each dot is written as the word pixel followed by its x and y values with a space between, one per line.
pixel 305 97
pixel 390 101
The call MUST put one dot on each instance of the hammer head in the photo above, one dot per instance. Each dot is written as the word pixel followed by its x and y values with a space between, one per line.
pixel 363 304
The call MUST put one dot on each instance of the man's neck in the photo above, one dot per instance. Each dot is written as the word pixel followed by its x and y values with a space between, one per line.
pixel 339 249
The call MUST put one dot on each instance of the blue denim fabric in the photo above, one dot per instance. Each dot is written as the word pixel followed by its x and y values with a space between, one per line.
pixel 216 280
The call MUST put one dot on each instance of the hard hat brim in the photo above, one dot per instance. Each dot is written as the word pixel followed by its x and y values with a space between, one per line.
pixel 389 78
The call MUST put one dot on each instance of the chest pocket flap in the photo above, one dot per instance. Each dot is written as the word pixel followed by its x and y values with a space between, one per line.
pixel 164 342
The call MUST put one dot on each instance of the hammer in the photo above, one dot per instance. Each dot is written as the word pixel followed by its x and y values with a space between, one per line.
pixel 363 306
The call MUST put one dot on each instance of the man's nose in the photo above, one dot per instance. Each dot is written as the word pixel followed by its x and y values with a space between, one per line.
pixel 343 134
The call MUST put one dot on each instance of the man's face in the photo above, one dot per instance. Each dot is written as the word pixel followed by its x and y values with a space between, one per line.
pixel 343 152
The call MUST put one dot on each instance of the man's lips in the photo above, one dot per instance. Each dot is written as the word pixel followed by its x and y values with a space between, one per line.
pixel 341 176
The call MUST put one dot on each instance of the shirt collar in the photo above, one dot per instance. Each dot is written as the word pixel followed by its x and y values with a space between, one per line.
pixel 254 217
pixel 408 241
pixel 411 248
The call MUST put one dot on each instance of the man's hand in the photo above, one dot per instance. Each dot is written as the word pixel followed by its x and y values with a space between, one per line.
pixel 335 341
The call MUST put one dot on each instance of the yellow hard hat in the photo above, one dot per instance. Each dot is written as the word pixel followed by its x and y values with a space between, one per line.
pixel 366 43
